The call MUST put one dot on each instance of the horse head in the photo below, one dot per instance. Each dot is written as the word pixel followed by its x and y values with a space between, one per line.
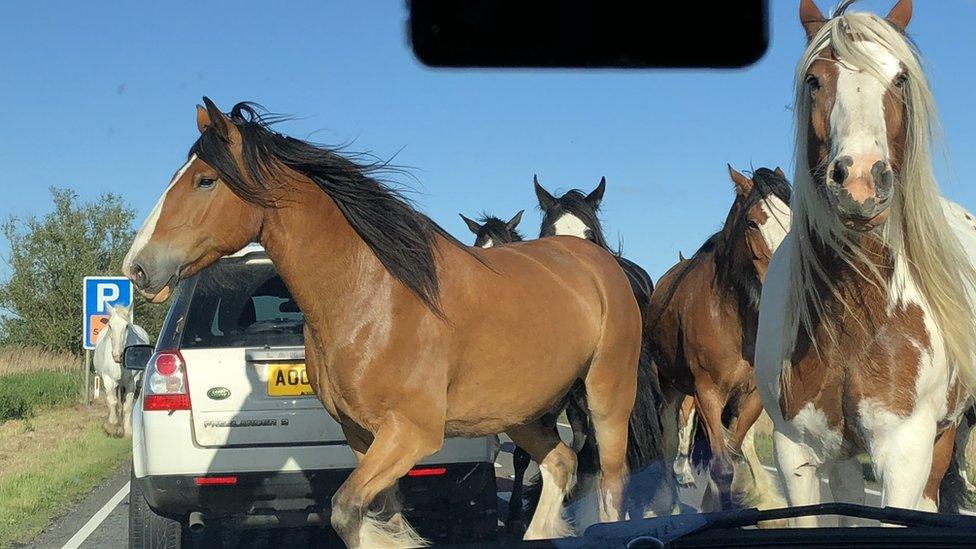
pixel 492 231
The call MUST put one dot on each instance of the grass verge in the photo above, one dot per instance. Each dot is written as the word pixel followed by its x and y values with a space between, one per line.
pixel 49 461
pixel 23 394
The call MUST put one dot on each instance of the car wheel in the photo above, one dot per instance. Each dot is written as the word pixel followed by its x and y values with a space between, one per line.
pixel 147 529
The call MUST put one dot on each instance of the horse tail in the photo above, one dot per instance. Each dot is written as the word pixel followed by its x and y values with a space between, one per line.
pixel 652 486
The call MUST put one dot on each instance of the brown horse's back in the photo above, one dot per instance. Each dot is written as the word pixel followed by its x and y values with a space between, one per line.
pixel 535 313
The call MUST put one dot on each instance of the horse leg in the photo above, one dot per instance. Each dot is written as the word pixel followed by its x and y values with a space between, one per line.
pixel 942 455
pixel 397 446
pixel 846 484
pixel 578 423
pixel 763 489
pixel 962 440
pixel 798 473
pixel 127 402
pixel 686 433
pixel 710 402
pixel 901 451
pixel 610 403
pixel 520 462
pixel 557 465
pixel 112 401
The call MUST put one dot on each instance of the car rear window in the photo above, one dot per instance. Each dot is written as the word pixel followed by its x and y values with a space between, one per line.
pixel 241 304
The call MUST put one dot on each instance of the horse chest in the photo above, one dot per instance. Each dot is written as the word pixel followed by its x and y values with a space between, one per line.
pixel 876 370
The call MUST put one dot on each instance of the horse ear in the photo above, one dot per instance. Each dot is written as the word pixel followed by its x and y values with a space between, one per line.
pixel 515 220
pixel 203 119
pixel 742 183
pixel 473 225
pixel 595 197
pixel 779 172
pixel 209 116
pixel 546 200
pixel 901 14
pixel 811 18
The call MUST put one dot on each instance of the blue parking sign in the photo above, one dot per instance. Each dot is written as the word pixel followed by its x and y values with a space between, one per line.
pixel 100 294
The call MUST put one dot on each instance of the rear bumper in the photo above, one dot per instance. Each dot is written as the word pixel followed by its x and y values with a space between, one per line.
pixel 465 491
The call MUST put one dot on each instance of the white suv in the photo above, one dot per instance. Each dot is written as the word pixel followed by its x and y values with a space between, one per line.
pixel 227 434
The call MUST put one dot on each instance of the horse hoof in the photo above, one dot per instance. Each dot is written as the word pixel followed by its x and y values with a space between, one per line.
pixel 109 429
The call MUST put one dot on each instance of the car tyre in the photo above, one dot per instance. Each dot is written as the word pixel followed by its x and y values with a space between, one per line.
pixel 147 529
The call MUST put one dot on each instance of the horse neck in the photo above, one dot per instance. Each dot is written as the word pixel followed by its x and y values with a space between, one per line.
pixel 734 275
pixel 852 287
pixel 327 267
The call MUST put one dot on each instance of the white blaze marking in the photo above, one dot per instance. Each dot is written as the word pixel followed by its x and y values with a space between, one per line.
pixel 570 225
pixel 149 226
pixel 857 123
pixel 777 223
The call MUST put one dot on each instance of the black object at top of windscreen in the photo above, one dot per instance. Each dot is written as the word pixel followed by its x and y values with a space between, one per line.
pixel 590 34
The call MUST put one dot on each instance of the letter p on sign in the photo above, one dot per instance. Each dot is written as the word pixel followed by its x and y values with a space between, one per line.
pixel 105 294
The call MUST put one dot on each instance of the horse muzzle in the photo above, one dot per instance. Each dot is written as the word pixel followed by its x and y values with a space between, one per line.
pixel 860 189
pixel 154 275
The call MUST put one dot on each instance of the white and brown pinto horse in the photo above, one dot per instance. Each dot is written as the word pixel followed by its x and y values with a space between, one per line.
pixel 397 343
pixel 866 335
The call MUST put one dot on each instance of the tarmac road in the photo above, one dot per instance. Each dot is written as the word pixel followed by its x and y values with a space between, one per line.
pixel 101 519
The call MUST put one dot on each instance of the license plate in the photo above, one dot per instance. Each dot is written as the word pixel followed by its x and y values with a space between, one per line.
pixel 288 380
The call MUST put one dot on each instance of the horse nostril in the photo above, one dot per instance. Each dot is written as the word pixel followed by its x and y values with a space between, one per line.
pixel 839 173
pixel 883 179
pixel 139 277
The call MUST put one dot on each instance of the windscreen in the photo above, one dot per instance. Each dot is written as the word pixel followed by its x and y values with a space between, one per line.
pixel 242 304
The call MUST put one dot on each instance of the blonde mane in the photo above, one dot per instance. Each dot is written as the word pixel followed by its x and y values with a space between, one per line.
pixel 917 231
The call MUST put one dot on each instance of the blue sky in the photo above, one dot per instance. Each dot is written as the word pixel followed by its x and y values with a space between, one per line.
pixel 100 97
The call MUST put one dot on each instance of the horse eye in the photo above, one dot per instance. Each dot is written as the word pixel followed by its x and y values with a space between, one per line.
pixel 900 80
pixel 205 183
pixel 753 224
pixel 813 82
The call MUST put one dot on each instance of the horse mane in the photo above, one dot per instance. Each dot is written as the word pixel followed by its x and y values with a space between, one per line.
pixel 497 229
pixel 402 238
pixel 574 202
pixel 734 270
pixel 917 231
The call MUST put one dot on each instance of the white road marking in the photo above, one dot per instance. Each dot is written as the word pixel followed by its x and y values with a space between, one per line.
pixel 93 523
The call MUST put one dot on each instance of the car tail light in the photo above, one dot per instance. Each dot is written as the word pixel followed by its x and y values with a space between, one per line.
pixel 166 387
pixel 427 472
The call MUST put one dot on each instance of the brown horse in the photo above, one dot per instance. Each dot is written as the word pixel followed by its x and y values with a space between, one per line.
pixel 410 335
pixel 866 338
pixel 703 317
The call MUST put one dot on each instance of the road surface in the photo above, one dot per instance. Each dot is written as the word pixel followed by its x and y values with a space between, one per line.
pixel 101 519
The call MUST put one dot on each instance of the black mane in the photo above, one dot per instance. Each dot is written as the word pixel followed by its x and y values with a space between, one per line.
pixel 401 237
pixel 733 268
pixel 574 202
pixel 497 230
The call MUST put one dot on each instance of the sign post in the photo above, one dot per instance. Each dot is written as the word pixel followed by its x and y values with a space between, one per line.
pixel 99 295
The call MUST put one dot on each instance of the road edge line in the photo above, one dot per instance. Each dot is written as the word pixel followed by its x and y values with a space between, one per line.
pixel 82 534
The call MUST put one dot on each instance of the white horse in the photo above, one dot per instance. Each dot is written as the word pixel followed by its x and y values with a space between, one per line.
pixel 867 339
pixel 120 384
